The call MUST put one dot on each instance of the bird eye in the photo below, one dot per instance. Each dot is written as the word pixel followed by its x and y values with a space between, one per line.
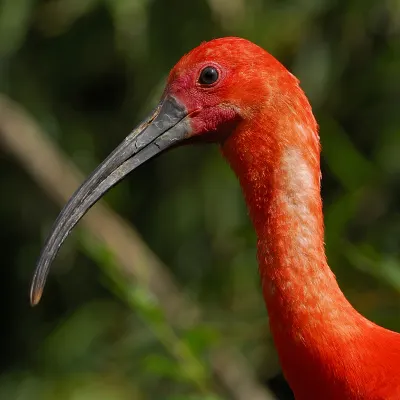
pixel 208 76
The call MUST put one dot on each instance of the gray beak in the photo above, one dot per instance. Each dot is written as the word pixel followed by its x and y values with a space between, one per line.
pixel 166 126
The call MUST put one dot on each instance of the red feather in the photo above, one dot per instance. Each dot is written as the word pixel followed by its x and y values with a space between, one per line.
pixel 326 348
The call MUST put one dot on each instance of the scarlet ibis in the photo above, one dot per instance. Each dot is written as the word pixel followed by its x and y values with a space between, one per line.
pixel 232 92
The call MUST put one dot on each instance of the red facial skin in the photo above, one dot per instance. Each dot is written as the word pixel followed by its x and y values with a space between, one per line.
pixel 264 124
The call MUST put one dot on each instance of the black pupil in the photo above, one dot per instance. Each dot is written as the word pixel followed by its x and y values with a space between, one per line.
pixel 208 76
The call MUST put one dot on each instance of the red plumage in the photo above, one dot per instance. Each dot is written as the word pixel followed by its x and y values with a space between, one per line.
pixel 326 348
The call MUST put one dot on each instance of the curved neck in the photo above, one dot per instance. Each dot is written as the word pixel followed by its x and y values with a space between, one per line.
pixel 278 165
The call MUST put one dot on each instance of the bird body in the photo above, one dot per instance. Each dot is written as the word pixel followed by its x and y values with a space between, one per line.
pixel 234 93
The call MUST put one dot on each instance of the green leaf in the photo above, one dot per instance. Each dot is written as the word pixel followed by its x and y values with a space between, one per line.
pixel 200 338
pixel 14 24
pixel 164 367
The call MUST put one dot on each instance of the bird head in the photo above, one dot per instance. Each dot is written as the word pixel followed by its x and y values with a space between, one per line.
pixel 210 92
pixel 223 82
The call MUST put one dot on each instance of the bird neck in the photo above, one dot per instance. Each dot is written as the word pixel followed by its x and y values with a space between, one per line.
pixel 278 165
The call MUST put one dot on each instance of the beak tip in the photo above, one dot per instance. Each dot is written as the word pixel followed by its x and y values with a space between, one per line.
pixel 36 295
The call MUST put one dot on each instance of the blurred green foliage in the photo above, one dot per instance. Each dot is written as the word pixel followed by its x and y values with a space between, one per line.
pixel 88 70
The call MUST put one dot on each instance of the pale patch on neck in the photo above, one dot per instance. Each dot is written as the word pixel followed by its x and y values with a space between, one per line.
pixel 305 281
pixel 298 189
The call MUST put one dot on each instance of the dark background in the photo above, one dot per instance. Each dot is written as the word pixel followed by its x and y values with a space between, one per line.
pixel 87 71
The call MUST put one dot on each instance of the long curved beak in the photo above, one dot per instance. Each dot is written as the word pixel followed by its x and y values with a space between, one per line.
pixel 165 127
